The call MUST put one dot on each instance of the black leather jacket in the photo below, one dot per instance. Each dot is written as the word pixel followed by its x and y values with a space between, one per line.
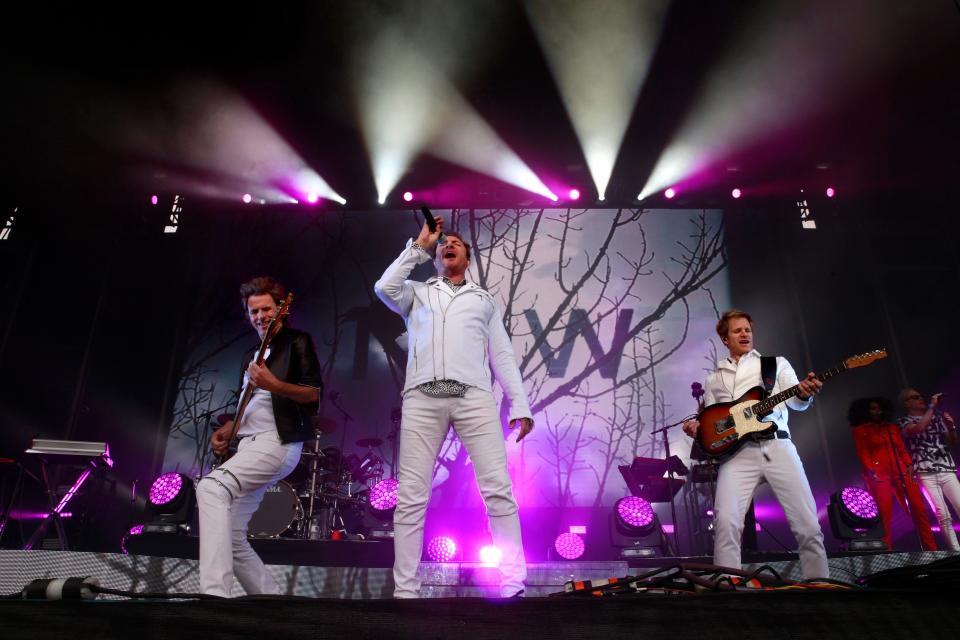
pixel 293 359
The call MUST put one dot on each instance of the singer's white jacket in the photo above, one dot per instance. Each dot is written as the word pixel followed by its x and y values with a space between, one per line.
pixel 452 335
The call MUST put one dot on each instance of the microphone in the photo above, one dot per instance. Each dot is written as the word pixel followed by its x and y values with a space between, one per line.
pixel 696 390
pixel 431 223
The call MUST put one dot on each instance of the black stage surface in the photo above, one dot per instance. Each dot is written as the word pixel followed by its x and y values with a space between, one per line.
pixel 864 614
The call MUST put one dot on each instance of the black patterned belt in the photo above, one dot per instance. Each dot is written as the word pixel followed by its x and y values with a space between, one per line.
pixel 444 389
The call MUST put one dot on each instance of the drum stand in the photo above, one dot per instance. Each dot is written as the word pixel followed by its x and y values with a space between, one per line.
pixel 311 529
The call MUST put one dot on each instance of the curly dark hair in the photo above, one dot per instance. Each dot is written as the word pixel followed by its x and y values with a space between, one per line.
pixel 859 411
pixel 259 286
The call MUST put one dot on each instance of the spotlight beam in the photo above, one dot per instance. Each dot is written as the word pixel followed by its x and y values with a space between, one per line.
pixel 599 54
pixel 792 62
pixel 215 130
pixel 408 106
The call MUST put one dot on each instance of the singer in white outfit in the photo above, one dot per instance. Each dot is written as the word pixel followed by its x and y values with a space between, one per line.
pixel 456 338
pixel 774 459
pixel 276 422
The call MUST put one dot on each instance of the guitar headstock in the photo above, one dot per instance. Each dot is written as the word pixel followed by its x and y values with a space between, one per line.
pixel 864 359
pixel 277 322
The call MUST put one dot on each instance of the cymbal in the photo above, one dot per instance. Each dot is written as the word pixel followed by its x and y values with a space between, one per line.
pixel 224 418
pixel 369 442
pixel 324 425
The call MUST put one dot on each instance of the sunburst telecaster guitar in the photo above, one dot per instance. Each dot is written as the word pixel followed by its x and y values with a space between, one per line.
pixel 725 426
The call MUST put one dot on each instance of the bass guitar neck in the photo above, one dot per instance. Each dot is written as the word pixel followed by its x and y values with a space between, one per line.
pixel 272 330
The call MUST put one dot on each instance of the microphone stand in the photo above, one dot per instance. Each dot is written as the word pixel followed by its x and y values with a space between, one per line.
pixel 673 506
pixel 334 397
pixel 395 417
pixel 903 489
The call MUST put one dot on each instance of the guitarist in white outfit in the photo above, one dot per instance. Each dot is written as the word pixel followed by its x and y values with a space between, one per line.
pixel 274 424
pixel 774 459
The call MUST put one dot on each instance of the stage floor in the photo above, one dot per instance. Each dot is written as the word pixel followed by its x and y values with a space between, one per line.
pixel 353 602
pixel 143 573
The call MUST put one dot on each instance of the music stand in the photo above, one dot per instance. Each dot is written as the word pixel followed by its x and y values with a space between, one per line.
pixel 645 478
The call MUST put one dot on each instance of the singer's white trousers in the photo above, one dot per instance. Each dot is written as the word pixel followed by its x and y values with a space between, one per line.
pixel 228 497
pixel 423 429
pixel 778 462
pixel 943 486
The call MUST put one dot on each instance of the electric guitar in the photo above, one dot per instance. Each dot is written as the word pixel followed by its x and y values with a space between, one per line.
pixel 276 323
pixel 725 426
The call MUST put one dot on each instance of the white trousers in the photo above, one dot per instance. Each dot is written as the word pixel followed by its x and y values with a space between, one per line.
pixel 423 429
pixel 943 486
pixel 776 461
pixel 228 497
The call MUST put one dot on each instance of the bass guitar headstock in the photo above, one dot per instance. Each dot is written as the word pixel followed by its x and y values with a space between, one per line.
pixel 277 322
pixel 864 359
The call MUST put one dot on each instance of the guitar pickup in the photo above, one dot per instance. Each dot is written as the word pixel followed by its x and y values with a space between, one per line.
pixel 723 441
pixel 722 425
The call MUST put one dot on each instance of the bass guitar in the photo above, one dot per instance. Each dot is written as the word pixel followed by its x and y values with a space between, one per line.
pixel 725 426
pixel 276 323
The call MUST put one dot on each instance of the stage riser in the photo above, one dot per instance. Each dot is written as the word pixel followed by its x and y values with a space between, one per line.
pixel 440 580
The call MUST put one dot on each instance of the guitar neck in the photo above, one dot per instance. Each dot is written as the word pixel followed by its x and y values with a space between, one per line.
pixel 767 405
pixel 248 388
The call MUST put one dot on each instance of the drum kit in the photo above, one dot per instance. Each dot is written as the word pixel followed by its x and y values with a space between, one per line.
pixel 326 496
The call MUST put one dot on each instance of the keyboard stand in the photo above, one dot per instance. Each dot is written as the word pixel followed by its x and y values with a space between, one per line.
pixel 97 456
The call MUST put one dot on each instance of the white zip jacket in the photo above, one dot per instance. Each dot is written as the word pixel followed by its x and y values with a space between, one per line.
pixel 452 335
pixel 732 379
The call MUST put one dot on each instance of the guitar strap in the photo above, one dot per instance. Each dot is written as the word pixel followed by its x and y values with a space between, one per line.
pixel 768 373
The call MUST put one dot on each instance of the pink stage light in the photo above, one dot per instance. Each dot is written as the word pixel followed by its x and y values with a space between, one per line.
pixel 247 198
pixel 383 495
pixel 736 193
pixel 165 488
pixel 312 198
pixel 831 192
pixel 490 555
pixel 407 196
pixel 635 511
pixel 574 194
pixel 669 193
pixel 569 546
pixel 154 199
pixel 442 549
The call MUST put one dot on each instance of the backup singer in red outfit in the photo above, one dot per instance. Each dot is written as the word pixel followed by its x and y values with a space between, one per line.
pixel 886 465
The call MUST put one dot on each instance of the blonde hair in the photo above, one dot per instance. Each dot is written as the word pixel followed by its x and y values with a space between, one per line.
pixel 723 324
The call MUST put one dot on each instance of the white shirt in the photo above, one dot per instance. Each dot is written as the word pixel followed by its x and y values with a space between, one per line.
pixel 258 416
pixel 732 379
pixel 452 335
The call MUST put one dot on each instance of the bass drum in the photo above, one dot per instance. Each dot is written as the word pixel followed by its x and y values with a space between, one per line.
pixel 279 512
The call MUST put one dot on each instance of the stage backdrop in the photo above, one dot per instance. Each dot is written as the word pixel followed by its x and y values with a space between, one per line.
pixel 611 313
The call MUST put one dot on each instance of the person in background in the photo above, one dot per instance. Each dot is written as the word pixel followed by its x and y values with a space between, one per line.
pixel 929 435
pixel 886 465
